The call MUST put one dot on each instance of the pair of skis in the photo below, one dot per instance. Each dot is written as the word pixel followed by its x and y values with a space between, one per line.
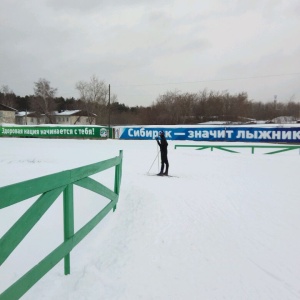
pixel 161 175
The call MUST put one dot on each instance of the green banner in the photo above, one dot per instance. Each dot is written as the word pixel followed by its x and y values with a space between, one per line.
pixel 54 131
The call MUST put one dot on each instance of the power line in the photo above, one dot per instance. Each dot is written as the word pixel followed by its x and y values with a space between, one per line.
pixel 207 80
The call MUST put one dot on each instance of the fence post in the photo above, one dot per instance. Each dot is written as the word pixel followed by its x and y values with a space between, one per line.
pixel 68 222
pixel 118 175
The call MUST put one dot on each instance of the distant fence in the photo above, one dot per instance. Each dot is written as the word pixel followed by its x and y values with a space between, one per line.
pixel 273 134
pixel 228 148
pixel 269 134
pixel 57 131
pixel 49 188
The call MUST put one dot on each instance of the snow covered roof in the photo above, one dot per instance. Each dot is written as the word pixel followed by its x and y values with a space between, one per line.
pixel 66 112
pixel 76 112
pixel 73 113
pixel 284 120
pixel 28 114
pixel 23 113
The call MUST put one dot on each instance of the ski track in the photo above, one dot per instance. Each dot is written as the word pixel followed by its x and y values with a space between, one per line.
pixel 226 228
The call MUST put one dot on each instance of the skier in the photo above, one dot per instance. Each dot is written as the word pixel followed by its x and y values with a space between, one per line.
pixel 163 145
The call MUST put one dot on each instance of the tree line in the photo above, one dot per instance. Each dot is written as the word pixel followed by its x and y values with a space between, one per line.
pixel 172 107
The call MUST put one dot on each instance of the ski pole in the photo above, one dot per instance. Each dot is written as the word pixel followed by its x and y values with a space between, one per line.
pixel 153 162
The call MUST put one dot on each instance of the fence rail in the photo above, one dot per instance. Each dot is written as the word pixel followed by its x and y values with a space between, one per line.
pixel 279 148
pixel 49 188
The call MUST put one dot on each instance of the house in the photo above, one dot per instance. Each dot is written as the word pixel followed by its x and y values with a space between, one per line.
pixel 67 117
pixel 74 117
pixel 7 114
pixel 284 120
pixel 30 118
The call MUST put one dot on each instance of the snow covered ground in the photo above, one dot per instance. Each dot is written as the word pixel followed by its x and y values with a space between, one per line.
pixel 227 227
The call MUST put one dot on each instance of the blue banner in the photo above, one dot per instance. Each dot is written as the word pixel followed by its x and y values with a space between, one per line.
pixel 230 134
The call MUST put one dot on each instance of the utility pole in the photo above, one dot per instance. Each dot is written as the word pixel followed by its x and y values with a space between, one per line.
pixel 275 102
pixel 109 111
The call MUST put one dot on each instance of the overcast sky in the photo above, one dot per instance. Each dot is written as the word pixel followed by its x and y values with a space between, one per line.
pixel 145 48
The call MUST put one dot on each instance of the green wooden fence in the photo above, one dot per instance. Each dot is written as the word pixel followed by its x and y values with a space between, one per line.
pixel 49 188
pixel 228 148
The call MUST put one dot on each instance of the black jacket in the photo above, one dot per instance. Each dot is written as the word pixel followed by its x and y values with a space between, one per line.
pixel 163 144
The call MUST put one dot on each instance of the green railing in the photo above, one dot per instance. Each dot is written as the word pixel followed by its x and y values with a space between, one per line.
pixel 279 148
pixel 49 188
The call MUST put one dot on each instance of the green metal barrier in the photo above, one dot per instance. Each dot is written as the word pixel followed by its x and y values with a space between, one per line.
pixel 280 148
pixel 50 187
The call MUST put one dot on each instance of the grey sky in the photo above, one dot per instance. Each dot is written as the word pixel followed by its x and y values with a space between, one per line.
pixel 145 48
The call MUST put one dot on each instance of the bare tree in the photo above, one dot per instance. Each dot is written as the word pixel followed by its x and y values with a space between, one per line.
pixel 94 95
pixel 44 95
pixel 94 91
pixel 6 90
pixel 7 96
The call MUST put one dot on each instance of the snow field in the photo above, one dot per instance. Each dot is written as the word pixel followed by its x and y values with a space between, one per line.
pixel 226 228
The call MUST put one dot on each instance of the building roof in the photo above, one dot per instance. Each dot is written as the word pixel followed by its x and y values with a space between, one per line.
pixel 6 108
pixel 65 113
pixel 29 114
pixel 79 113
